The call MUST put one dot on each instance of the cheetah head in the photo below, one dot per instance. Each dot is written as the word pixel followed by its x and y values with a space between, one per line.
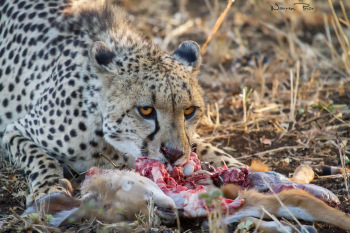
pixel 151 101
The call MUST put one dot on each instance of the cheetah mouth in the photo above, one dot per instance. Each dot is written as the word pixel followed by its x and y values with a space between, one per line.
pixel 172 155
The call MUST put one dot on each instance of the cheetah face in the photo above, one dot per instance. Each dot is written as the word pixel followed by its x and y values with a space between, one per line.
pixel 151 101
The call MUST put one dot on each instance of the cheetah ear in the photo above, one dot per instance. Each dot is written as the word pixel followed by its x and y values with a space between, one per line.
pixel 188 54
pixel 101 56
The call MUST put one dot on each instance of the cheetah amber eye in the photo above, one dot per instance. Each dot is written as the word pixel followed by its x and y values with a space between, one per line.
pixel 189 111
pixel 145 111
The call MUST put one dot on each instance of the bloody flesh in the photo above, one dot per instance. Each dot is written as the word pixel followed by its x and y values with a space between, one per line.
pixel 178 182
pixel 181 183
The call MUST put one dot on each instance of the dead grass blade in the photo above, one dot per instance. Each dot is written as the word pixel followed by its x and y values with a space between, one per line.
pixel 178 221
pixel 217 24
pixel 335 116
pixel 271 151
pixel 342 160
pixel 342 38
pixel 274 219
pixel 260 220
pixel 111 162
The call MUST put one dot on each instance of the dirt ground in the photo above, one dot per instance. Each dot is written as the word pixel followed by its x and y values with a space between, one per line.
pixel 276 88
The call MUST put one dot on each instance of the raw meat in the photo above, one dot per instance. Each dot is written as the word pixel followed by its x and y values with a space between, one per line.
pixel 178 182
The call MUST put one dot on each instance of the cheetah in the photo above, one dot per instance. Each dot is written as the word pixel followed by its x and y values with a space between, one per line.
pixel 78 84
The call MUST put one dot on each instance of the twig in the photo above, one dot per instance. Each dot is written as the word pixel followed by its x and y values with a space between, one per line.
pixel 272 151
pixel 296 87
pixel 217 121
pixel 338 118
pixel 36 204
pixel 217 24
pixel 48 229
pixel 178 221
pixel 293 94
pixel 313 119
pixel 328 34
pixel 333 176
pixel 260 220
pixel 115 166
pixel 244 108
pixel 16 215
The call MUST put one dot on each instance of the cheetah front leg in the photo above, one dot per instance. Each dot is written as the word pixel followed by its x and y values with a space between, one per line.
pixel 44 172
pixel 208 153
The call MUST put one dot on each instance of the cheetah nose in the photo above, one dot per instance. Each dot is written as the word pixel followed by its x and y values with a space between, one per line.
pixel 171 153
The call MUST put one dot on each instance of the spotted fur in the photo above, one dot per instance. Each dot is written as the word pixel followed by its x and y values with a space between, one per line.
pixel 72 78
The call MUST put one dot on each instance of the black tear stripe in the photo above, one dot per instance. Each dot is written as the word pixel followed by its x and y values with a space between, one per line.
pixel 151 136
pixel 188 139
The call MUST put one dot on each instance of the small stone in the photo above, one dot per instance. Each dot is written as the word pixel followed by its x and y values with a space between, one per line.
pixel 336 161
pixel 232 229
pixel 205 225
pixel 287 160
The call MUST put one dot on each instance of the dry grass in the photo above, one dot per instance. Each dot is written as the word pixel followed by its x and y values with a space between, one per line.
pixel 294 92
